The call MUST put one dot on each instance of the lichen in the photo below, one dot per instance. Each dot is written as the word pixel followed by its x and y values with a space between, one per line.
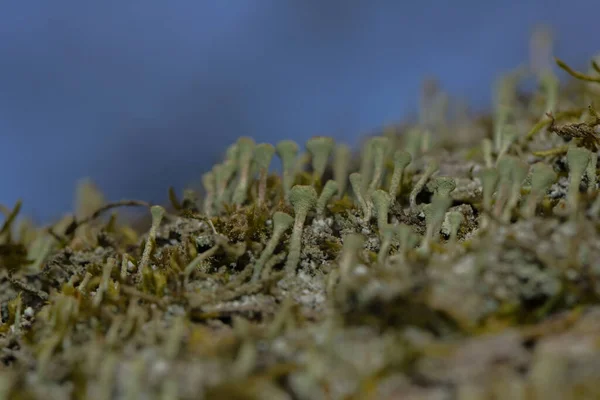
pixel 461 264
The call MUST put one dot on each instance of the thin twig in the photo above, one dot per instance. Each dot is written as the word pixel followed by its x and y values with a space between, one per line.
pixel 123 203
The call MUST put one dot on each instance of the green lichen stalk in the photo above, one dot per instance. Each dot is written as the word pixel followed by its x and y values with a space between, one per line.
pixel 281 223
pixel 287 150
pixel 303 199
pixel 319 148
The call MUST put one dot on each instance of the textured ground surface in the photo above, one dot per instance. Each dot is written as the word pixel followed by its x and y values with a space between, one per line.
pixel 456 258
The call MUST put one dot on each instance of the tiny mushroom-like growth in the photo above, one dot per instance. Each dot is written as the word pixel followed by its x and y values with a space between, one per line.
pixel 303 199
pixel 542 177
pixel 245 155
pixel 327 193
pixel 442 186
pixel 281 223
pixel 356 182
pixel 158 213
pixel 432 167
pixel 577 160
pixel 319 148
pixel 378 147
pixel 341 164
pixel 401 160
pixel 287 150
pixel 381 202
pixel 263 153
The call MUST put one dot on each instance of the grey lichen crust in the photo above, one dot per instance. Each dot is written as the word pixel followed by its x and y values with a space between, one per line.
pixel 452 259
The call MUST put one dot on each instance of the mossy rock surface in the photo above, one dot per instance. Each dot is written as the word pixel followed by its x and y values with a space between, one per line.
pixel 503 302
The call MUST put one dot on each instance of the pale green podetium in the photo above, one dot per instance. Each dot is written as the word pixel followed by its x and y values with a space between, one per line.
pixel 442 186
pixel 414 138
pixel 208 181
pixel 303 199
pixel 263 154
pixel 386 234
pixel 82 288
pixel 281 223
pixel 245 155
pixel 231 154
pixel 487 150
pixel 107 376
pixel 401 160
pixel 319 148
pixel 407 239
pixel 509 135
pixel 578 159
pixel 105 281
pixel 542 177
pixel 378 147
pixel 341 164
pixel 158 213
pixel 356 182
pixel 352 244
pixel 173 340
pixel 18 310
pixel 550 84
pixel 434 216
pixel 366 162
pixel 432 167
pixel 590 172
pixel 381 202
pixel 505 97
pixel 133 383
pixel 329 190
pixel 455 220
pixel 504 166
pixel 222 174
pixel 436 211
pixel 287 150
pixel 517 175
pixel 489 181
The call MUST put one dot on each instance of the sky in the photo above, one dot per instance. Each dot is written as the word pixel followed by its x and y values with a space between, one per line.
pixel 139 95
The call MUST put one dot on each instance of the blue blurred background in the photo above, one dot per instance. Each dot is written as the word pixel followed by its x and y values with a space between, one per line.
pixel 140 95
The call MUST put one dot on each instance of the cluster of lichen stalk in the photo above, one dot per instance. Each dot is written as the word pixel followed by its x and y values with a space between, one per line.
pixel 502 183
pixel 375 187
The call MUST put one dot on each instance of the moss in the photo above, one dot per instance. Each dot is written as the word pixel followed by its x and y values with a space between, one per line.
pixel 221 298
